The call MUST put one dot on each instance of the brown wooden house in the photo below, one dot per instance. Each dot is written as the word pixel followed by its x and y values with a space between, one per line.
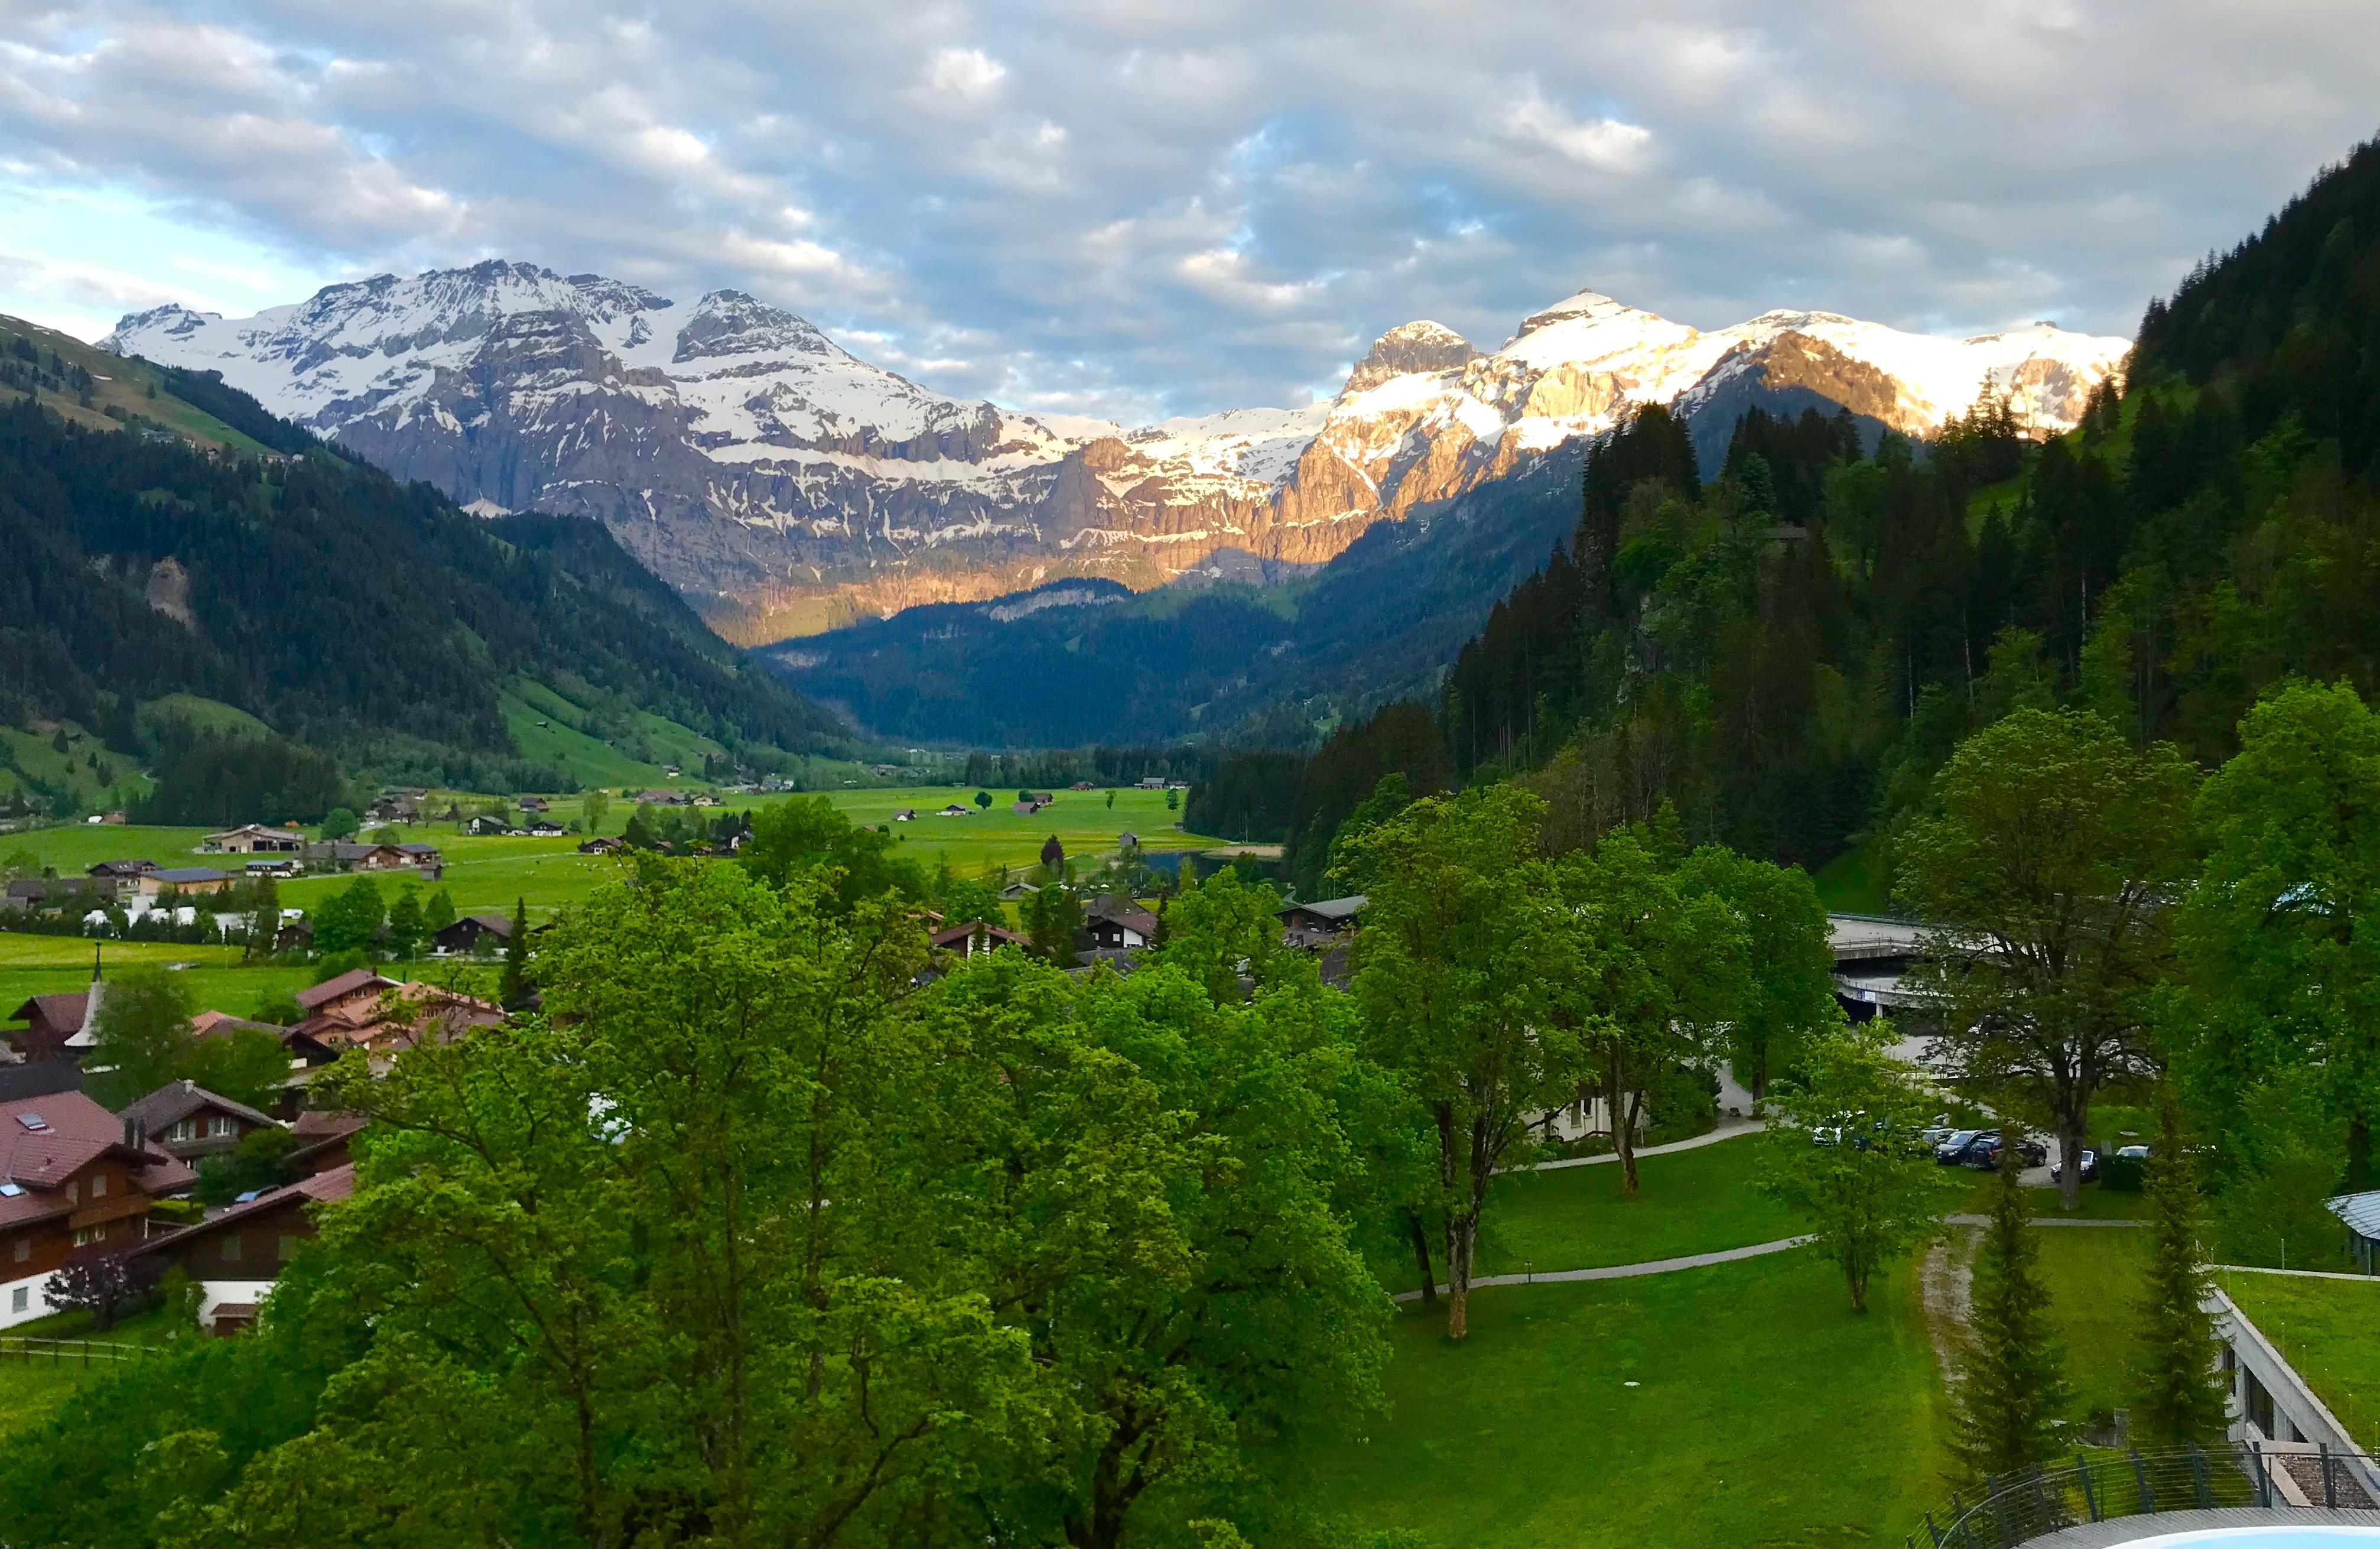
pixel 72 1181
pixel 187 1121
pixel 236 1256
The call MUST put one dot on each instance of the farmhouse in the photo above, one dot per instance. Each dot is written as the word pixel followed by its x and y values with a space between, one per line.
pixel 1115 923
pixel 1321 923
pixel 955 810
pixel 187 1121
pixel 124 869
pixel 975 938
pixel 474 934
pixel 184 881
pixel 235 1257
pixel 56 1024
pixel 600 845
pixel 71 1179
pixel 253 839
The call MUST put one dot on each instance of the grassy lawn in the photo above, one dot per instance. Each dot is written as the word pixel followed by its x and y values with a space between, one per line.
pixel 74 848
pixel 1766 1413
pixel 32 1389
pixel 2330 1330
pixel 1693 1202
pixel 2094 1275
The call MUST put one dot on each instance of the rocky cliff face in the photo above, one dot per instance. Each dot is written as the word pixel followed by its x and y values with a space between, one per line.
pixel 787 486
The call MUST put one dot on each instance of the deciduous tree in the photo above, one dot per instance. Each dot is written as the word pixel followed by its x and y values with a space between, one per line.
pixel 2044 879
pixel 1868 1191
pixel 1449 975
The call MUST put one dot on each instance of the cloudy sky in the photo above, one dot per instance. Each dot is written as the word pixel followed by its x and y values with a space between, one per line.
pixel 1141 207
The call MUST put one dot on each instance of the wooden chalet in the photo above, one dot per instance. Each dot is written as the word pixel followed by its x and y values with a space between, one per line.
pixel 1323 923
pixel 187 1121
pixel 474 933
pixel 976 938
pixel 234 1256
pixel 72 1181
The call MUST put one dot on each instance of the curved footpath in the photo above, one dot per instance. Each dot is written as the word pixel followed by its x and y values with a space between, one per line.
pixel 1725 1131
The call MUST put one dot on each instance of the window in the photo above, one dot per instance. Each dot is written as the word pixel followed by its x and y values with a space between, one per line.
pixel 99 1186
pixel 288 1247
pixel 17 1298
pixel 24 1248
pixel 183 1129
pixel 231 1248
pixel 85 1236
pixel 74 1192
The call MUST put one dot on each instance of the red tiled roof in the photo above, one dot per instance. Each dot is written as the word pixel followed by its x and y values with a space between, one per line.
pixel 75 1132
pixel 316 1124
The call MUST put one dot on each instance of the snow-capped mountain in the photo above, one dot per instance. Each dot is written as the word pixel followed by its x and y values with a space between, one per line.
pixel 787 486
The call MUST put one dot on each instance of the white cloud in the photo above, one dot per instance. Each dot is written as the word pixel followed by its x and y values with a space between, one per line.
pixel 1108 207
pixel 1604 145
pixel 964 72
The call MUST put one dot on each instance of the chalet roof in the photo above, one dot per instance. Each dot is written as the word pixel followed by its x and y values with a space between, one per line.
pixel 499 925
pixel 1331 908
pixel 176 1100
pixel 322 1124
pixel 258 829
pixel 123 868
pixel 223 1024
pixel 957 934
pixel 189 873
pixel 347 983
pixel 418 848
pixel 46 1141
pixel 66 1009
pixel 324 1188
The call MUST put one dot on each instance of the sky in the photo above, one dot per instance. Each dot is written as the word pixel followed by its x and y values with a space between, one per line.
pixel 1137 208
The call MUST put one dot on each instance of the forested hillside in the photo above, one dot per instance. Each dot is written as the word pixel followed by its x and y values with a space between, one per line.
pixel 347 612
pixel 1078 662
pixel 1788 651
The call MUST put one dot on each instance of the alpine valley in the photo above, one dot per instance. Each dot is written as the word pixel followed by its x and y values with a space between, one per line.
pixel 786 487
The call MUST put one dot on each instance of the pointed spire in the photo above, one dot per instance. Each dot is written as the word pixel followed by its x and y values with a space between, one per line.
pixel 94 962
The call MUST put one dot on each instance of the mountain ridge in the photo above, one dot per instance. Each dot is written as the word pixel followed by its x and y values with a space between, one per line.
pixel 786 486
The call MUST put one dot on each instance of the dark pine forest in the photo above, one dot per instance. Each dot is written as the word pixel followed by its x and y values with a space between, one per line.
pixel 1786 651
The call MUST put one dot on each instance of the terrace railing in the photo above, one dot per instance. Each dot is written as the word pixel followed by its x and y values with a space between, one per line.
pixel 2012 1508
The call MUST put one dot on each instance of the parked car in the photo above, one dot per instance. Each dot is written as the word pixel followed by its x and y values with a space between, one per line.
pixel 1934 1134
pixel 2090 1168
pixel 1960 1143
pixel 2132 1153
pixel 1831 1133
pixel 2030 1153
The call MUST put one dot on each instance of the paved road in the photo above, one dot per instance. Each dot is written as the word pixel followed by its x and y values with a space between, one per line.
pixel 1627 1272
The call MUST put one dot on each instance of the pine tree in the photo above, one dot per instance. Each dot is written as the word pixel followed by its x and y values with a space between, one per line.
pixel 2014 1391
pixel 2178 1397
pixel 513 988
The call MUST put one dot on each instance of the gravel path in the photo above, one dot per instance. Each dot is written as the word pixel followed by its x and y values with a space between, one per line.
pixel 1729 1129
pixel 1626 1272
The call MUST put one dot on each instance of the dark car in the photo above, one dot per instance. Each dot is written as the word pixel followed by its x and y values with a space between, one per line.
pixel 2030 1153
pixel 2090 1168
pixel 1953 1151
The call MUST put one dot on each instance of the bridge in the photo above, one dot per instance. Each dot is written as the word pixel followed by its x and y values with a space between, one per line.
pixel 1872 953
